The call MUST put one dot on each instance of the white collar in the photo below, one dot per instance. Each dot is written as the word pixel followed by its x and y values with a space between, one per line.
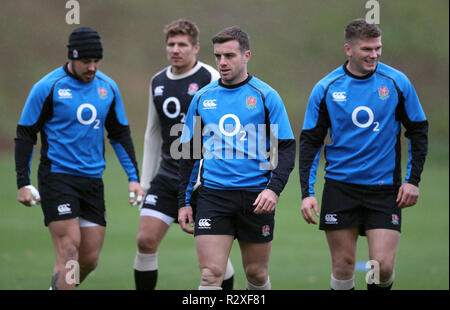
pixel 194 69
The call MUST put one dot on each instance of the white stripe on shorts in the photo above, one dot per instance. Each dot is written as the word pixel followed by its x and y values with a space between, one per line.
pixel 85 223
pixel 163 217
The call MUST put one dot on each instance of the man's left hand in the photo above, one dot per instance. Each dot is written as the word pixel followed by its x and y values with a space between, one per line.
pixel 136 193
pixel 408 195
pixel 265 202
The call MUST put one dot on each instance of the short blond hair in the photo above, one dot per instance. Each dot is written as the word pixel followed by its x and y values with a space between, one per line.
pixel 183 27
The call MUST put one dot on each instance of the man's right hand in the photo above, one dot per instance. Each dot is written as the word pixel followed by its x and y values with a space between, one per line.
pixel 26 197
pixel 185 217
pixel 307 204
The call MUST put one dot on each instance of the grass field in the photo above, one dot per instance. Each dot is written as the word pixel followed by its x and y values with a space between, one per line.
pixel 300 258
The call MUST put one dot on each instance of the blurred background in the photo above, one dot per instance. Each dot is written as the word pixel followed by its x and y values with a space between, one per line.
pixel 294 44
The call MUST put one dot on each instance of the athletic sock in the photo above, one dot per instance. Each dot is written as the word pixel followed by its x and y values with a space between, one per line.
pixel 382 286
pixel 145 271
pixel 210 288
pixel 342 284
pixel 228 280
pixel 264 287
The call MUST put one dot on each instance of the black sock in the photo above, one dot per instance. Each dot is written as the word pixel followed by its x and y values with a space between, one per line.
pixel 227 285
pixel 374 287
pixel 145 280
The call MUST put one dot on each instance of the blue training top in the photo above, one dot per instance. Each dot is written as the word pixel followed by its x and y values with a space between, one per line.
pixel 71 116
pixel 238 126
pixel 364 117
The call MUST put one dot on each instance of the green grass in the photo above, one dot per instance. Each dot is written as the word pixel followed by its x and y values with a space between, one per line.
pixel 299 259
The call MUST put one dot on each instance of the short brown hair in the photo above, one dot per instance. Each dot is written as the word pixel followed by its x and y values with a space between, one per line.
pixel 233 33
pixel 183 27
pixel 360 29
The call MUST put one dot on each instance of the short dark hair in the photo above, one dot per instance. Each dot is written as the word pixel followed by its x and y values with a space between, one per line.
pixel 233 33
pixel 183 27
pixel 360 29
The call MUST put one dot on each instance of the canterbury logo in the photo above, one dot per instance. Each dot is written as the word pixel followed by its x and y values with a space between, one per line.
pixel 339 96
pixel 209 104
pixel 64 93
pixel 331 219
pixel 204 223
pixel 151 199
pixel 159 90
pixel 64 209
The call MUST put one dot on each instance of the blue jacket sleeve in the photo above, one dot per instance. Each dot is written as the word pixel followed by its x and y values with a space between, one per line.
pixel 189 155
pixel 281 133
pixel 314 131
pixel 413 118
pixel 38 109
pixel 120 138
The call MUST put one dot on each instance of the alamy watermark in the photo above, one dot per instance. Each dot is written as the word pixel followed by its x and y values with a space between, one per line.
pixel 226 141
pixel 373 275
pixel 73 15
pixel 73 272
pixel 373 15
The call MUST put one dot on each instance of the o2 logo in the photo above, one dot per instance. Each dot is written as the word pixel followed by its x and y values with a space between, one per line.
pixel 237 127
pixel 90 120
pixel 369 122
pixel 174 114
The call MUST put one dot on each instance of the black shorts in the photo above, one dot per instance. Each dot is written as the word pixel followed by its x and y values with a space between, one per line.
pixel 367 207
pixel 230 212
pixel 163 196
pixel 66 196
